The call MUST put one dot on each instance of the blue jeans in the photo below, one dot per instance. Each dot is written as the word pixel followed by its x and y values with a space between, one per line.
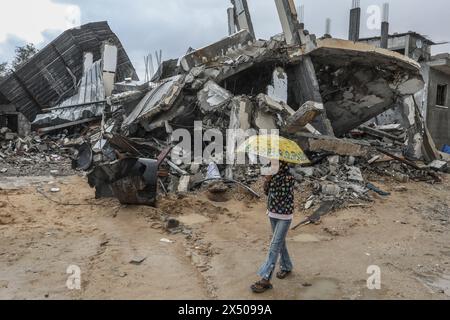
pixel 277 248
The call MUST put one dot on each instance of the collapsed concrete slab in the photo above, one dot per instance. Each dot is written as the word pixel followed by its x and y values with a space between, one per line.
pixel 160 99
pixel 303 116
pixel 353 91
pixel 332 145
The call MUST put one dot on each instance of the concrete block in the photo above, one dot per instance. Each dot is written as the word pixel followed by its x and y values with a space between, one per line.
pixel 340 147
pixel 265 121
pixel 304 115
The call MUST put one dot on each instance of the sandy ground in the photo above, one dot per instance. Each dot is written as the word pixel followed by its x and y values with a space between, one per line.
pixel 221 248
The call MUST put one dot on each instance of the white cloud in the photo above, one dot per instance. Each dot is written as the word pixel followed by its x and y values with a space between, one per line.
pixel 28 19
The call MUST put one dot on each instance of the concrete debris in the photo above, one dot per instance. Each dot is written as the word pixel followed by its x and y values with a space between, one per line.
pixel 212 97
pixel 343 147
pixel 36 155
pixel 439 165
pixel 354 174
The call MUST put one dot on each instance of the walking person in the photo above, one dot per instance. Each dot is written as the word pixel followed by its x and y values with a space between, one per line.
pixel 280 191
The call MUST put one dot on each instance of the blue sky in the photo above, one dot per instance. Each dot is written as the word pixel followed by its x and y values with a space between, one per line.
pixel 175 25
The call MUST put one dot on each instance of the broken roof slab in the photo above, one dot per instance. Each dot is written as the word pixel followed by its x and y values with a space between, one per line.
pixel 232 55
pixel 345 52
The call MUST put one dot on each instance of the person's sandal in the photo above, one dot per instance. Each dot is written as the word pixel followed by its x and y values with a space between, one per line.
pixel 260 287
pixel 283 274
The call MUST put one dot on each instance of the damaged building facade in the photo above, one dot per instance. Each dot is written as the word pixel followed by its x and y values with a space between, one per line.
pixel 433 100
pixel 326 94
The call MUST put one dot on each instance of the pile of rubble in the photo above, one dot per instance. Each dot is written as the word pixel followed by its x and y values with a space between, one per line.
pixel 35 155
pixel 352 107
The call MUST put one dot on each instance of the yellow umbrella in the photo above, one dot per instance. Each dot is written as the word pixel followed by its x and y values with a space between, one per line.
pixel 274 147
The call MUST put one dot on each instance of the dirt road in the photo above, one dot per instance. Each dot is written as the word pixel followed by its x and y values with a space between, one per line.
pixel 124 252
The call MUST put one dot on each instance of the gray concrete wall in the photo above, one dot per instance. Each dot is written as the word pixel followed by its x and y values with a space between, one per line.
pixel 438 118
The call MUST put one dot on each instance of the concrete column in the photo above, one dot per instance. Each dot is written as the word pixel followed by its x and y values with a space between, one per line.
pixel 109 67
pixel 289 21
pixel 384 35
pixel 231 21
pixel 327 28
pixel 355 21
pixel 242 16
pixel 385 27
pixel 301 17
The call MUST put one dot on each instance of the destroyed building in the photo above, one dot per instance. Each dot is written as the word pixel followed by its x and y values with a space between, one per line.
pixel 323 93
pixel 54 74
pixel 433 100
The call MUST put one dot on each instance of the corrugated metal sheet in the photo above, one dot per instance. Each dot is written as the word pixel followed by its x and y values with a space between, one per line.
pixel 91 89
pixel 52 74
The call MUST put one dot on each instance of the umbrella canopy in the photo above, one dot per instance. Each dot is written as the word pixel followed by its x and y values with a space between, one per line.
pixel 274 147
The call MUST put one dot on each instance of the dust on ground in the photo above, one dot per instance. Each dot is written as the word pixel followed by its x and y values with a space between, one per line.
pixel 125 252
